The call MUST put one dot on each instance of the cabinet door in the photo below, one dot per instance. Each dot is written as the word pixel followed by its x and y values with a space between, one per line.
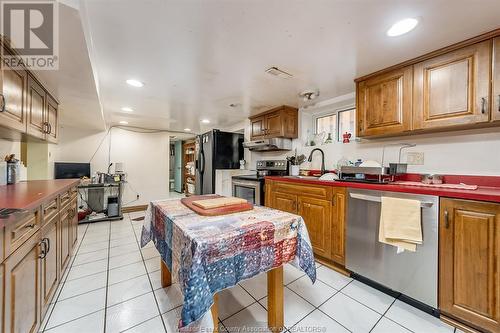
pixel 453 89
pixel 52 119
pixel 73 224
pixel 317 216
pixel 338 226
pixel 64 238
pixel 13 84
pixel 49 264
pixel 469 262
pixel 36 109
pixel 274 124
pixel 285 202
pixel 22 288
pixel 495 111
pixel 257 128
pixel 384 103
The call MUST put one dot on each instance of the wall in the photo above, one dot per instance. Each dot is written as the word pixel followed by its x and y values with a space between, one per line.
pixel 472 152
pixel 145 157
pixel 10 147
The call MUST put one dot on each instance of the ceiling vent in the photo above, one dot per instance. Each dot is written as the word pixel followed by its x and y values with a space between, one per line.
pixel 275 71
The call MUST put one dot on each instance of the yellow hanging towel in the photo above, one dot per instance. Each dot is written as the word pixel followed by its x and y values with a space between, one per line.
pixel 401 223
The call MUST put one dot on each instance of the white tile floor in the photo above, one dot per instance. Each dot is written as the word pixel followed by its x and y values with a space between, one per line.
pixel 114 286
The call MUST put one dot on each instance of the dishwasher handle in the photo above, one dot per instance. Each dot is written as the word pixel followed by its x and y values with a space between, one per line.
pixel 367 197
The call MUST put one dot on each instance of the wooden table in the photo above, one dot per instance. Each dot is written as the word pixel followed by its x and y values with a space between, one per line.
pixel 275 292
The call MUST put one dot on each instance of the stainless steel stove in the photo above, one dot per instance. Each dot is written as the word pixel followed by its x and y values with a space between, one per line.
pixel 251 187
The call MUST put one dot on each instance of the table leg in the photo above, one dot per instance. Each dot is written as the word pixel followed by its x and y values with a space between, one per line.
pixel 166 277
pixel 215 313
pixel 275 313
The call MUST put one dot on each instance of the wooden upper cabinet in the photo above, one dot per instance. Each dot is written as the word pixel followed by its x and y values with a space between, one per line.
pixel 317 217
pixel 13 85
pixel 257 127
pixel 495 110
pixel 51 118
pixel 384 103
pixel 453 89
pixel 22 288
pixel 469 247
pixel 280 122
pixel 37 125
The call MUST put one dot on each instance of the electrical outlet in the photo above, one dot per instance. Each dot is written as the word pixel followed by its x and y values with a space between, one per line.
pixel 415 158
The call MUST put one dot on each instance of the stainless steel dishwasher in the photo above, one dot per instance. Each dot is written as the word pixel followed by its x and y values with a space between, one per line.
pixel 413 274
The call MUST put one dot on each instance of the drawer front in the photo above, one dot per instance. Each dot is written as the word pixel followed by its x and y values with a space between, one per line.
pixel 67 196
pixel 320 192
pixel 17 233
pixel 50 209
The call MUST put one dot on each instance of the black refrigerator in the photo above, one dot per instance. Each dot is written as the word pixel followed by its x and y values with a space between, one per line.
pixel 216 150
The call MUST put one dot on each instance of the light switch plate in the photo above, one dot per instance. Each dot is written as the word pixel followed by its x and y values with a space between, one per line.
pixel 415 158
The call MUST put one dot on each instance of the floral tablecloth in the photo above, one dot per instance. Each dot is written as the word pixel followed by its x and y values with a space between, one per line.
pixel 208 254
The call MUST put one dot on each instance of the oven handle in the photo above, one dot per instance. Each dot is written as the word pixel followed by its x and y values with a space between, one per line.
pixel 244 183
pixel 372 198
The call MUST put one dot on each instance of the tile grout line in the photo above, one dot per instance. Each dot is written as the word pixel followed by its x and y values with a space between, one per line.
pixel 107 281
pixel 149 277
pixel 383 315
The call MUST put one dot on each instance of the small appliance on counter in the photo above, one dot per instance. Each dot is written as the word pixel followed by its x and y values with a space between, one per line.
pixel 251 187
pixel 13 169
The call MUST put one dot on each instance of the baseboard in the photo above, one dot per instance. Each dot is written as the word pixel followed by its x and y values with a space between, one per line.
pixel 461 326
pixel 330 264
pixel 131 209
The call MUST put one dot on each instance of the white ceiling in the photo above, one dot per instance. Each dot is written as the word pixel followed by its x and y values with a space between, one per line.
pixel 197 57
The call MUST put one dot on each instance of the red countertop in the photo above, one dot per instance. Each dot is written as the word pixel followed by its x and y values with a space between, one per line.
pixel 31 194
pixel 482 193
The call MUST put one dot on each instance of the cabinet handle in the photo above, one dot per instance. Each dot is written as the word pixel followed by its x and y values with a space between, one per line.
pixel 43 251
pixel 483 105
pixel 47 242
pixel 50 128
pixel 30 226
pixel 446 219
pixel 499 103
pixel 2 109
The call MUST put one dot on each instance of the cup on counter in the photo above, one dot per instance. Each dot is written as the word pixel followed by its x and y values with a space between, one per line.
pixel 294 170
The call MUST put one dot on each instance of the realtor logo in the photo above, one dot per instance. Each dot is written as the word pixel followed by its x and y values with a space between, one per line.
pixel 32 29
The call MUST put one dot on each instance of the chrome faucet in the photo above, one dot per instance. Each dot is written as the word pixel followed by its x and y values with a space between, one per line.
pixel 322 159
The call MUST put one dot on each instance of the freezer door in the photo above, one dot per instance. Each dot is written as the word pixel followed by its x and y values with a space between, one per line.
pixel 228 150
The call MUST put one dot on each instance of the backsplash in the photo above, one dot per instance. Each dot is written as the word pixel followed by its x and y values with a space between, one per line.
pixel 9 147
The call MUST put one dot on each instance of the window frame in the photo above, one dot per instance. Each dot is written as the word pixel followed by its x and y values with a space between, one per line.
pixel 336 112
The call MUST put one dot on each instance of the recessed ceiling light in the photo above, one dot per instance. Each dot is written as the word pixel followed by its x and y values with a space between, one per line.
pixel 205 121
pixel 401 27
pixel 127 109
pixel 135 83
pixel 123 122
pixel 187 130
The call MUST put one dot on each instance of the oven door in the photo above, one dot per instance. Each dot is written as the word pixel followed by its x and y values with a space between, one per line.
pixel 248 190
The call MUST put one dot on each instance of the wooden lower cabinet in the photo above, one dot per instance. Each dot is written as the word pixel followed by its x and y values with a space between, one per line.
pixel 317 216
pixel 64 238
pixel 323 211
pixel 22 288
pixel 49 264
pixel 469 257
pixel 285 202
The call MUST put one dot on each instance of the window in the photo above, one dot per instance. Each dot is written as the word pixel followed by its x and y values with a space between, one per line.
pixel 336 123
pixel 326 124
